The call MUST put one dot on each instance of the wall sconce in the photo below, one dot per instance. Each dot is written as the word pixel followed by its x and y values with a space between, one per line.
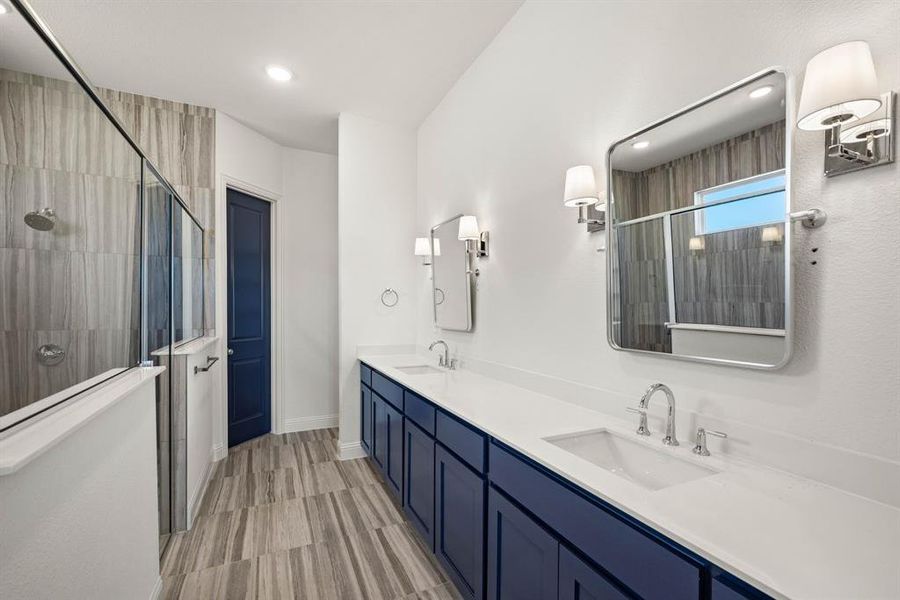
pixel 423 248
pixel 840 87
pixel 697 244
pixel 581 193
pixel 476 240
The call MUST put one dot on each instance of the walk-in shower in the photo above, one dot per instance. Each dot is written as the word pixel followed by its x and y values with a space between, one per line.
pixel 121 283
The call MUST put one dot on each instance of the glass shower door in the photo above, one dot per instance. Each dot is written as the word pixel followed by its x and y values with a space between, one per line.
pixel 157 321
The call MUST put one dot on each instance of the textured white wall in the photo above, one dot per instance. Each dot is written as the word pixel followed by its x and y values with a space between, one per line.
pixel 81 520
pixel 309 248
pixel 560 83
pixel 376 232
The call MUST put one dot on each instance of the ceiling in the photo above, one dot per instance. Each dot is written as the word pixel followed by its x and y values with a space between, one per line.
pixel 391 61
pixel 726 117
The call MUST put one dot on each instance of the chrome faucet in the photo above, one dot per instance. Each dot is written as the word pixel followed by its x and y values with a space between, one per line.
pixel 444 361
pixel 670 439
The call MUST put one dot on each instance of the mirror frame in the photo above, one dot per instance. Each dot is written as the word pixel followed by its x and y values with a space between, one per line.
pixel 789 114
pixel 470 296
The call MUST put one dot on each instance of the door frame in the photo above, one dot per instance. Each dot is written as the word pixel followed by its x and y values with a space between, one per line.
pixel 225 183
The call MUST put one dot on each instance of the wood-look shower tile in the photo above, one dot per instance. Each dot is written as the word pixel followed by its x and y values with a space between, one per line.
pixel 266 487
pixel 385 563
pixel 354 510
pixel 310 436
pixel 445 591
pixel 357 473
pixel 232 581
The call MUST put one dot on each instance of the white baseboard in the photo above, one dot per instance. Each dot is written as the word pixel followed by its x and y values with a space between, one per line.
pixel 351 451
pixel 157 589
pixel 310 423
pixel 197 498
pixel 220 451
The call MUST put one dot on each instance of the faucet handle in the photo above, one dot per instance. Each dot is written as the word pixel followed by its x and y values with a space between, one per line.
pixel 700 447
pixel 642 426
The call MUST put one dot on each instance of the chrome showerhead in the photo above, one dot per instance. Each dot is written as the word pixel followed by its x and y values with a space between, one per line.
pixel 42 220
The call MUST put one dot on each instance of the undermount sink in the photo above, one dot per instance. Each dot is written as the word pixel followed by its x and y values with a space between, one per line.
pixel 649 468
pixel 420 370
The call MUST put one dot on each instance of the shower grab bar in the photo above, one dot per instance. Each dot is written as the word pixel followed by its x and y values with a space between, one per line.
pixel 210 361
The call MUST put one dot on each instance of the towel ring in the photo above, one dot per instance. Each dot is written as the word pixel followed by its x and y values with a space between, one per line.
pixel 385 297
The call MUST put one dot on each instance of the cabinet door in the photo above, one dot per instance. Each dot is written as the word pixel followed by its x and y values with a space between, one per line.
pixel 379 432
pixel 365 395
pixel 393 468
pixel 579 581
pixel 522 557
pixel 727 587
pixel 418 477
pixel 459 527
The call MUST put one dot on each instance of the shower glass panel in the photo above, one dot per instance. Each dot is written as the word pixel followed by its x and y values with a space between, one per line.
pixel 157 339
pixel 188 276
pixel 69 233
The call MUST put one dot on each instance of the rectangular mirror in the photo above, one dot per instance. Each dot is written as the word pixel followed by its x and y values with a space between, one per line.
pixel 698 242
pixel 451 277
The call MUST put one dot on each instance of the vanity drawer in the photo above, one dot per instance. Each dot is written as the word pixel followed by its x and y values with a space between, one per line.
pixel 388 390
pixel 365 374
pixel 467 443
pixel 647 565
pixel 419 411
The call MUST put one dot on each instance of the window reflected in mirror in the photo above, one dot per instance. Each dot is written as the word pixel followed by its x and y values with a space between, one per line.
pixel 698 251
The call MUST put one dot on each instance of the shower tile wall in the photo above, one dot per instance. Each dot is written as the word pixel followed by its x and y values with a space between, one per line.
pixel 77 286
pixel 708 285
pixel 180 140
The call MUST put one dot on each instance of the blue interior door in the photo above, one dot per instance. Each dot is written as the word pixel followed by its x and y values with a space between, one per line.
pixel 249 318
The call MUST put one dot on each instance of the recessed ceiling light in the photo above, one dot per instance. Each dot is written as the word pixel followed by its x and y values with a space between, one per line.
pixel 640 145
pixel 761 91
pixel 279 73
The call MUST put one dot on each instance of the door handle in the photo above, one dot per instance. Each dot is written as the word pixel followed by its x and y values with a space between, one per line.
pixel 230 352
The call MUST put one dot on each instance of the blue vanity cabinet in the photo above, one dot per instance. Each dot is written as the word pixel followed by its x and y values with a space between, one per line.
pixel 505 527
pixel 522 557
pixel 418 476
pixel 639 558
pixel 459 495
pixel 366 422
pixel 379 432
pixel 393 470
pixel 728 587
pixel 579 581
pixel 387 443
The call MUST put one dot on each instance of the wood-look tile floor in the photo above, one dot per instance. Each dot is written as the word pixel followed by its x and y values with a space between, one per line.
pixel 283 518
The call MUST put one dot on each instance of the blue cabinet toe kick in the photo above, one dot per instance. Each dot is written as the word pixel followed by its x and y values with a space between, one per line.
pixel 506 528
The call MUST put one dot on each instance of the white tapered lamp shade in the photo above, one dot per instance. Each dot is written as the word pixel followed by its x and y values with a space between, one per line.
pixel 840 86
pixel 468 228
pixel 581 187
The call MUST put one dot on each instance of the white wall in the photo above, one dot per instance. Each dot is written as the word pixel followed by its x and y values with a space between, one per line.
pixel 81 520
pixel 303 186
pixel 376 234
pixel 564 80
pixel 309 213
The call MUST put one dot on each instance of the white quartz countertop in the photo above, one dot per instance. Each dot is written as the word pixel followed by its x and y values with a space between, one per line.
pixel 788 536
